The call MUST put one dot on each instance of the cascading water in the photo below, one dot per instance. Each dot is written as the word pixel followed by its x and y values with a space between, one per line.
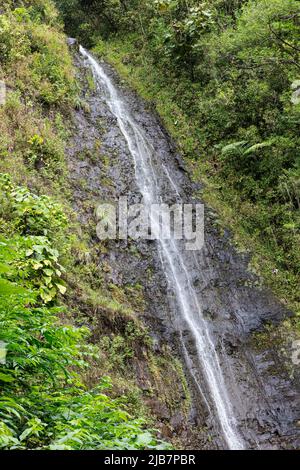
pixel 147 172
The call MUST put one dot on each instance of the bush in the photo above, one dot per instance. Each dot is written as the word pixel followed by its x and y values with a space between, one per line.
pixel 43 401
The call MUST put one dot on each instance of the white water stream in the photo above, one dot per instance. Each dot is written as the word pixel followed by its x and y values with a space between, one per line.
pixel 173 258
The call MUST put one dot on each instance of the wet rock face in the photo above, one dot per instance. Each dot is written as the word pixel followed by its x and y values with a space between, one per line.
pixel 263 396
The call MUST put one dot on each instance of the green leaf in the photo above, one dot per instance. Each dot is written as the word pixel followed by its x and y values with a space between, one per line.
pixel 145 439
pixel 234 146
pixel 4 268
pixel 255 147
pixel 47 296
pixel 47 280
pixel 8 288
pixel 6 377
pixel 48 272
pixel 290 226
pixel 38 248
pixel 37 266
pixel 62 289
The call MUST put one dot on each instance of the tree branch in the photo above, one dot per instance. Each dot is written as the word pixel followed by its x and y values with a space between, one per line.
pixel 282 40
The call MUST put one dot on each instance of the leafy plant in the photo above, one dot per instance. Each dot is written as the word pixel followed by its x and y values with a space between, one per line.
pixel 44 403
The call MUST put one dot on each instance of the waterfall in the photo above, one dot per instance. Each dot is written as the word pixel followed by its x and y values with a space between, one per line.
pixel 173 259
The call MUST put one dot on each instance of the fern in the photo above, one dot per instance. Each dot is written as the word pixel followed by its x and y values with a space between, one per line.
pixel 244 148
pixel 256 147
pixel 234 147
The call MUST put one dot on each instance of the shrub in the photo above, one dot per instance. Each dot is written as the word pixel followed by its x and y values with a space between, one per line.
pixel 43 401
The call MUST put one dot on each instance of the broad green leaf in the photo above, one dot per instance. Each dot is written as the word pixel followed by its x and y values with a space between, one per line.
pixel 6 377
pixel 62 289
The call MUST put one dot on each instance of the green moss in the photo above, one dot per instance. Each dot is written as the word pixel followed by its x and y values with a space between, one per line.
pixel 90 81
pixel 281 340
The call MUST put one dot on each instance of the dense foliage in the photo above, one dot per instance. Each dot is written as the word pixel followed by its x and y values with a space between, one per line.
pixel 43 401
pixel 46 399
pixel 225 77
